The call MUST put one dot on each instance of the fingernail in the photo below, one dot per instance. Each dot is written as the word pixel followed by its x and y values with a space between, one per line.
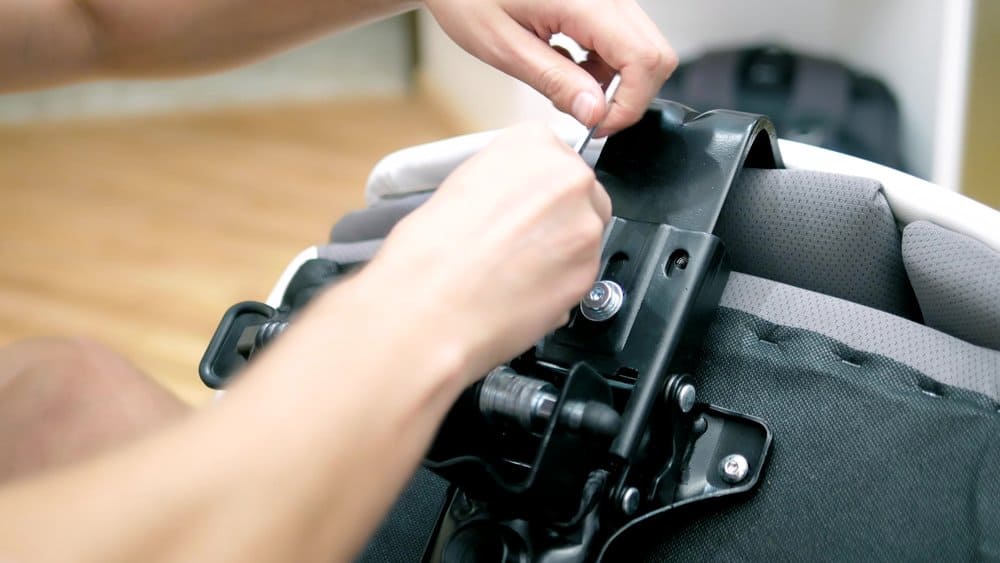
pixel 583 107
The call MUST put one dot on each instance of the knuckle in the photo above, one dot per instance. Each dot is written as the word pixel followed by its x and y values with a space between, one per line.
pixel 551 80
pixel 581 178
pixel 654 59
pixel 587 235
pixel 594 231
pixel 670 61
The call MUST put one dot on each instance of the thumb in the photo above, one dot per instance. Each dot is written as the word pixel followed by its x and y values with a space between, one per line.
pixel 571 88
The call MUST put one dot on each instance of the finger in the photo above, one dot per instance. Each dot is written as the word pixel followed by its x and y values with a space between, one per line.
pixel 535 62
pixel 643 24
pixel 603 73
pixel 644 65
pixel 601 201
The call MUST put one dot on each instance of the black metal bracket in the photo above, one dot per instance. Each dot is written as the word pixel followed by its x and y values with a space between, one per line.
pixel 596 429
pixel 555 499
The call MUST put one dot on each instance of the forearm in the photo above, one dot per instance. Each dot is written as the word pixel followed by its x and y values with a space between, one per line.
pixel 298 463
pixel 51 41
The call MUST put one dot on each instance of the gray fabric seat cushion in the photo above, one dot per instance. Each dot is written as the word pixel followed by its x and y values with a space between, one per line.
pixel 376 221
pixel 829 233
pixel 944 359
pixel 825 232
pixel 833 247
pixel 941 357
pixel 957 282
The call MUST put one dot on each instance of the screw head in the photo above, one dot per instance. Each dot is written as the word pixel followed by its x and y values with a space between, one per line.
pixel 603 301
pixel 630 501
pixel 686 397
pixel 597 295
pixel 734 468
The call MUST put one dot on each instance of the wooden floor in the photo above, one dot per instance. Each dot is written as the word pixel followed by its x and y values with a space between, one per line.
pixel 139 233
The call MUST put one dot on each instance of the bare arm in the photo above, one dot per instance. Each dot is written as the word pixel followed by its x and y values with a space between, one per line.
pixel 301 460
pixel 45 42
pixel 298 463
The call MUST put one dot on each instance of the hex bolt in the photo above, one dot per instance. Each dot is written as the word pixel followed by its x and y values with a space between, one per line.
pixel 506 395
pixel 269 331
pixel 603 301
pixel 686 397
pixel 630 501
pixel 734 468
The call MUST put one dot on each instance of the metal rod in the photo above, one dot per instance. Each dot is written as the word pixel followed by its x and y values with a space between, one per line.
pixel 609 96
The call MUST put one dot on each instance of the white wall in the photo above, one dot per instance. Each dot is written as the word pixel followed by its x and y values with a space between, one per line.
pixel 374 60
pixel 919 47
pixel 906 43
pixel 478 95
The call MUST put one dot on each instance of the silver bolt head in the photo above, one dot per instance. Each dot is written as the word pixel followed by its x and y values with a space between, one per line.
pixel 686 397
pixel 603 301
pixel 734 468
pixel 596 296
pixel 630 501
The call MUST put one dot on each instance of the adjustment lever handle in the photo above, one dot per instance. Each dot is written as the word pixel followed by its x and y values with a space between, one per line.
pixel 223 357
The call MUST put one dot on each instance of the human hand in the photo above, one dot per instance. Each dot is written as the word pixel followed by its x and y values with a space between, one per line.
pixel 513 35
pixel 507 245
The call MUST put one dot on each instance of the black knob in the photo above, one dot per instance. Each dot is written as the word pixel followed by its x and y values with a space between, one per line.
pixel 484 542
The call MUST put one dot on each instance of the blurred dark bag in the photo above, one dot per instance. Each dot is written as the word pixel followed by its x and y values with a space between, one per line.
pixel 811 100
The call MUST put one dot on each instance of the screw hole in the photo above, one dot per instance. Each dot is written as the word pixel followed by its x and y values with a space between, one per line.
pixel 627 374
pixel 677 262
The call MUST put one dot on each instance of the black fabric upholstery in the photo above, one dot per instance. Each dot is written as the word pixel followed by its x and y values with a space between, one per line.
pixel 872 460
pixel 404 533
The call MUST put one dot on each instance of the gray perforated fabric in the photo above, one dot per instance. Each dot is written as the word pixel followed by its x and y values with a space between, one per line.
pixel 957 281
pixel 825 235
pixel 347 253
pixel 376 221
pixel 829 233
pixel 826 232
pixel 944 358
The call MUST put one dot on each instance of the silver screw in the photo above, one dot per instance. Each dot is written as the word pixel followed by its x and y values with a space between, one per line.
pixel 686 397
pixel 597 294
pixel 734 468
pixel 630 501
pixel 603 301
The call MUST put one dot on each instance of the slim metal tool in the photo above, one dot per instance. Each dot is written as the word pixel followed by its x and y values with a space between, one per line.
pixel 609 96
